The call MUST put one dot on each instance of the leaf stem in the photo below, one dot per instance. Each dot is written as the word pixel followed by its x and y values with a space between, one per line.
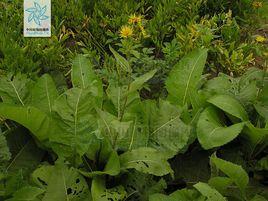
pixel 125 104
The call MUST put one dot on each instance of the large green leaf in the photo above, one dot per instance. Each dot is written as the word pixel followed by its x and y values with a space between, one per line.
pixel 44 93
pixel 235 172
pixel 25 155
pixel 27 193
pixel 74 122
pixel 100 193
pixel 81 72
pixel 146 160
pixel 230 106
pixel 14 89
pixel 61 183
pixel 30 117
pixel 211 132
pixel 185 75
pixel 83 76
pixel 168 133
pixel 209 192
pixel 70 127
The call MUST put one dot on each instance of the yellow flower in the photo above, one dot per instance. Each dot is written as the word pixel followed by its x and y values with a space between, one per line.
pixel 260 39
pixel 134 19
pixel 126 31
pixel 257 4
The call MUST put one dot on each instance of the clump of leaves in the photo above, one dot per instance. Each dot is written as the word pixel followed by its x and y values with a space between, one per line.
pixel 94 143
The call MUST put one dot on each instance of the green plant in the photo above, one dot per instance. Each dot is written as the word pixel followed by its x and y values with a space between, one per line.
pixel 98 142
pixel 166 14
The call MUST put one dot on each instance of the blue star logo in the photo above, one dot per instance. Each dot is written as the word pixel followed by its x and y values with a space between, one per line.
pixel 37 13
